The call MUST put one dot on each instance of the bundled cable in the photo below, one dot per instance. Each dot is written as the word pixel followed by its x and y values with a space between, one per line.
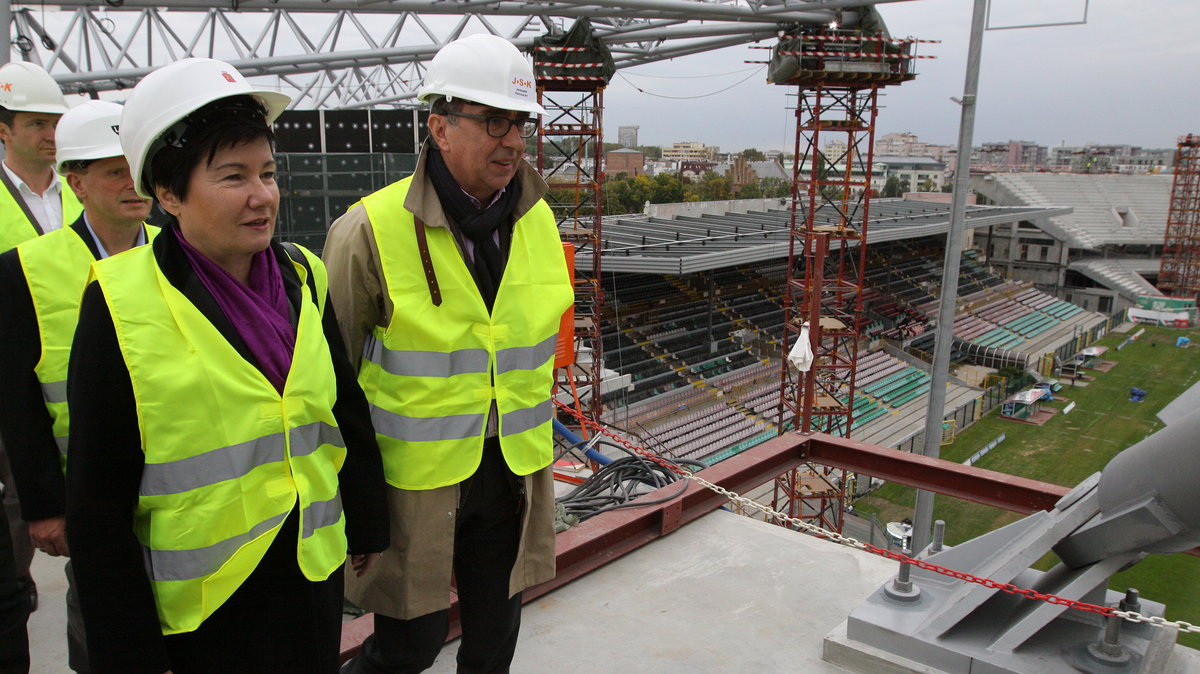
pixel 618 483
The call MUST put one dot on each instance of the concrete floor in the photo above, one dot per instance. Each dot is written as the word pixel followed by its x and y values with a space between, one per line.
pixel 723 594
pixel 48 624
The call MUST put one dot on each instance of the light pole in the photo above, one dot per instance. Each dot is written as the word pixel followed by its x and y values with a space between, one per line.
pixel 923 517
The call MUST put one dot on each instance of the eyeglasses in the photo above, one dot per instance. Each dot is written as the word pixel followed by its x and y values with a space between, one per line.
pixel 498 127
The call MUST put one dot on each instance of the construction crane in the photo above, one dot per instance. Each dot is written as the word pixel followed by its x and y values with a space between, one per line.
pixel 1179 274
pixel 837 73
pixel 572 69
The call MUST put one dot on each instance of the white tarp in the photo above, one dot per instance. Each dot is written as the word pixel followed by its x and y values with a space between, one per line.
pixel 801 355
pixel 1027 397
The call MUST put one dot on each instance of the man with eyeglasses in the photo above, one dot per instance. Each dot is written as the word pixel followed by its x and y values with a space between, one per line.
pixel 449 286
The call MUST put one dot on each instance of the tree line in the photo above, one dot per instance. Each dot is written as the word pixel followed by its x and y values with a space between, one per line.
pixel 628 194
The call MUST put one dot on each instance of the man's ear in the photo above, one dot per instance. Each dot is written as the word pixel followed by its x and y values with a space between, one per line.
pixel 437 130
pixel 75 181
pixel 168 200
pixel 5 133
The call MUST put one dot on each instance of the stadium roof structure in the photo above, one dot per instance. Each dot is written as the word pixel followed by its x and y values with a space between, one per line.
pixel 690 244
pixel 343 54
pixel 1107 209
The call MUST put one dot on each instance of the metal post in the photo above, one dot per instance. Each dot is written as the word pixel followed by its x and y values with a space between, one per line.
pixel 923 517
pixel 815 254
pixel 6 19
pixel 939 536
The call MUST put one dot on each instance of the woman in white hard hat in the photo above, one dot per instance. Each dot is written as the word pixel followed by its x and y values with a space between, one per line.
pixel 222 459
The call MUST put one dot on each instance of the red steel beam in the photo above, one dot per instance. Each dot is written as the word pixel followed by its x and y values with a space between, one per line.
pixel 969 483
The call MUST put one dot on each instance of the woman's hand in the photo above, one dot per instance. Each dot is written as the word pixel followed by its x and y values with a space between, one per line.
pixel 363 563
pixel 50 536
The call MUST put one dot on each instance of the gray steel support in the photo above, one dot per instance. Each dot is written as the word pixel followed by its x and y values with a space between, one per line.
pixel 934 416
pixel 328 56
pixel 1017 622
pixel 6 18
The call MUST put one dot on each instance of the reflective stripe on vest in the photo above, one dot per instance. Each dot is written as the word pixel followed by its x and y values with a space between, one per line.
pixel 231 463
pixel 463 361
pixel 227 458
pixel 56 271
pixel 15 227
pixel 168 565
pixel 432 374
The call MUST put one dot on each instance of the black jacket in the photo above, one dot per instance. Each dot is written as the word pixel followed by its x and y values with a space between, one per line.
pixel 25 423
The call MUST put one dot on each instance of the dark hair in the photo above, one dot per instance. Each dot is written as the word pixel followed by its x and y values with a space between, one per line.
pixel 223 123
pixel 7 118
pixel 442 106
pixel 77 165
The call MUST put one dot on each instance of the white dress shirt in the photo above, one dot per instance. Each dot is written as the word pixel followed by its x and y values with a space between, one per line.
pixel 47 206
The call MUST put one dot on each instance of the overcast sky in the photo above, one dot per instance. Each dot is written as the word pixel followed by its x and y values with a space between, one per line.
pixel 1131 75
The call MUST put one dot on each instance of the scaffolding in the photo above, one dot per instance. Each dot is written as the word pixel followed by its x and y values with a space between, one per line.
pixel 1179 275
pixel 571 72
pixel 837 75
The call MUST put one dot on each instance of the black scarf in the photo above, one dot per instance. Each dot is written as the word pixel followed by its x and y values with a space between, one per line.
pixel 476 224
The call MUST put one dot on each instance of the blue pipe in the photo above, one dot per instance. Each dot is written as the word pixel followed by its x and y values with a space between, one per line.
pixel 576 441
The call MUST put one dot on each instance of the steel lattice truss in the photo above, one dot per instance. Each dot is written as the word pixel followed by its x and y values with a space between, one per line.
pixel 359 53
pixel 1179 274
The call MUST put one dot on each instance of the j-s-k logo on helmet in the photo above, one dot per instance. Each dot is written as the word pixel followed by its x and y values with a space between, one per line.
pixel 520 82
pixel 227 76
pixel 6 86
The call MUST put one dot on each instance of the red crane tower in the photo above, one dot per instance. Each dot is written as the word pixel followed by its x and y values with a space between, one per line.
pixel 837 74
pixel 571 71
pixel 1179 274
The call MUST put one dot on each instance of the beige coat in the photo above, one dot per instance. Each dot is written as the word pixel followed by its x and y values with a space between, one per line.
pixel 413 575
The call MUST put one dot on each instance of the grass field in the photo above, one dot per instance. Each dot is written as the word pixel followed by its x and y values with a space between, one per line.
pixel 1070 447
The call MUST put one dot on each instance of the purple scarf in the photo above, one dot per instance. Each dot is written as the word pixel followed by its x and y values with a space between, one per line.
pixel 259 311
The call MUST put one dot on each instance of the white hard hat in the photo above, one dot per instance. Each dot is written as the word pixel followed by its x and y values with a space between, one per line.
pixel 88 131
pixel 27 87
pixel 167 95
pixel 486 69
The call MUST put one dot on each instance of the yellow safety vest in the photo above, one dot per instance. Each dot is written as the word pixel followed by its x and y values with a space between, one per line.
pixel 429 375
pixel 56 270
pixel 227 457
pixel 15 226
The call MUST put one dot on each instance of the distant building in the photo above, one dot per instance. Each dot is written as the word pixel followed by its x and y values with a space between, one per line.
pixel 1125 159
pixel 625 160
pixel 835 149
pixel 908 145
pixel 877 180
pixel 918 171
pixel 1145 161
pixel 1013 155
pixel 657 166
pixel 627 136
pixel 740 171
pixel 696 169
pixel 1063 158
pixel 690 151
